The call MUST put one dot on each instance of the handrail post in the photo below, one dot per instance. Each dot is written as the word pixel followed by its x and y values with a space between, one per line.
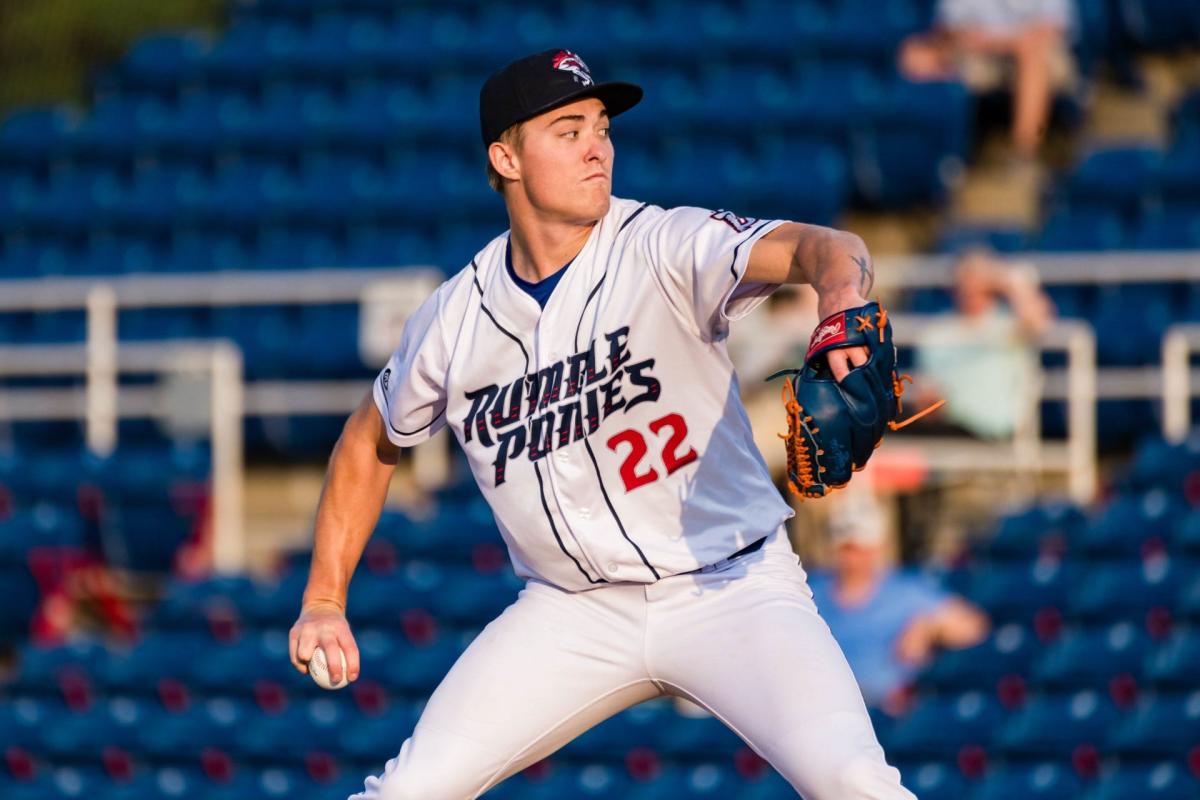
pixel 101 376
pixel 227 412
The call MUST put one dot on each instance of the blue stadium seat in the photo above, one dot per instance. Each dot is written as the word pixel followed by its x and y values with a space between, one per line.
pixel 705 780
pixel 1176 662
pixel 1188 533
pixel 1161 24
pixel 1048 781
pixel 1161 464
pixel 1089 658
pixel 958 238
pixel 36 133
pixel 696 737
pixel 470 598
pixel 1009 650
pixel 288 736
pixel 1051 526
pixel 1172 228
pixel 1082 230
pixel 1165 726
pixel 24 719
pixel 182 737
pixel 36 260
pixel 1128 591
pixel 1118 179
pixel 40 669
pixel 140 668
pixel 941 726
pixel 1168 780
pixel 417 670
pixel 242 196
pixel 632 728
pixel 1130 522
pixel 1131 339
pixel 376 738
pixel 191 127
pixel 388 247
pixel 933 780
pixel 1017 592
pixel 118 722
pixel 210 251
pixel 107 134
pixel 1053 726
pixel 164 62
pixel 290 249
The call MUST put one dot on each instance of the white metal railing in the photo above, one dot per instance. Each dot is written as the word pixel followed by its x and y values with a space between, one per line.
pixel 1178 377
pixel 1076 384
pixel 102 358
pixel 1112 267
pixel 101 403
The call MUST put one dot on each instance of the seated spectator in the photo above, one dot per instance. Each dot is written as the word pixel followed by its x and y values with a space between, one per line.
pixel 990 43
pixel 979 358
pixel 888 621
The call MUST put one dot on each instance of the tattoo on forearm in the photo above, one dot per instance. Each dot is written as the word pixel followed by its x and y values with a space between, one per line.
pixel 866 277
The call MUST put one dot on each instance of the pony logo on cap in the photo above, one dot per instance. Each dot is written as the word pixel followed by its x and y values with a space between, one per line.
pixel 569 62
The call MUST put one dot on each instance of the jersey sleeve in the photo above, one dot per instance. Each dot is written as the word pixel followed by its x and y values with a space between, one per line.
pixel 410 390
pixel 699 257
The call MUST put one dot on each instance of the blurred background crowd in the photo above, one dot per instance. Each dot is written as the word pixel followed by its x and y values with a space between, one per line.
pixel 216 214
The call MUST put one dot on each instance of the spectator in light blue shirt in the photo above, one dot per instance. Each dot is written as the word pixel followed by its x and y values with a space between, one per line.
pixel 888 621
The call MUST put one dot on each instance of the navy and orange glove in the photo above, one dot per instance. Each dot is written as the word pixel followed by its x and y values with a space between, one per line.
pixel 834 427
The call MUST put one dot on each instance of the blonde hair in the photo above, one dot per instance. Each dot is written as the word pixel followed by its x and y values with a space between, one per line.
pixel 513 136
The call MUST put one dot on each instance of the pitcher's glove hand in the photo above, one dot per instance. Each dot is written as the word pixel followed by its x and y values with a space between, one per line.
pixel 833 428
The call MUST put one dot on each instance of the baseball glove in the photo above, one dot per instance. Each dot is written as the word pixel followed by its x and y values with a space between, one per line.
pixel 833 428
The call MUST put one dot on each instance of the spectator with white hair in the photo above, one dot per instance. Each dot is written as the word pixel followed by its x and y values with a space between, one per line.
pixel 888 620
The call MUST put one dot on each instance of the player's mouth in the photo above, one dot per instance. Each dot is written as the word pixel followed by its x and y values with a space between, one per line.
pixel 594 175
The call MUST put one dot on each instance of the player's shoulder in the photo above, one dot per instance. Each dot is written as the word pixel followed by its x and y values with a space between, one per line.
pixel 682 220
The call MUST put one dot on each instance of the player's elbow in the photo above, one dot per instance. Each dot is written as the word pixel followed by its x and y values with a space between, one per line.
pixel 364 433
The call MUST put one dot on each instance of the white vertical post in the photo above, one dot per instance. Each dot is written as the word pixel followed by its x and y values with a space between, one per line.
pixel 1176 389
pixel 101 413
pixel 1081 412
pixel 228 537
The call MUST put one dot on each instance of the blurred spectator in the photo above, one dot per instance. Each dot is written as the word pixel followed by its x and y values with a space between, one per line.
pixel 979 358
pixel 988 44
pixel 888 621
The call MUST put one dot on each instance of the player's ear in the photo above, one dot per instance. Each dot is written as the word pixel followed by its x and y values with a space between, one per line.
pixel 503 158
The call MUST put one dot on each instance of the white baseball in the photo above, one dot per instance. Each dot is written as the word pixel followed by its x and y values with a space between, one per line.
pixel 318 668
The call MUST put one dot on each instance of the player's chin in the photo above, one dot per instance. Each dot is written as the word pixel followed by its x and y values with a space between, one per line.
pixel 595 199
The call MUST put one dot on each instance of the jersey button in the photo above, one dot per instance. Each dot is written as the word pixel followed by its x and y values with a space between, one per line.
pixel 611 567
pixel 584 512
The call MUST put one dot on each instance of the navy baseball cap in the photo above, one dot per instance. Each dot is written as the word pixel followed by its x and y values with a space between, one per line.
pixel 535 84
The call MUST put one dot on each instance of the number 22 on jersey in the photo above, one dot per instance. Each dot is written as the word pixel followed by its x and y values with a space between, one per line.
pixel 672 459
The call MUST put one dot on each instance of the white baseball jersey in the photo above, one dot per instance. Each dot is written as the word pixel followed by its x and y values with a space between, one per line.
pixel 606 430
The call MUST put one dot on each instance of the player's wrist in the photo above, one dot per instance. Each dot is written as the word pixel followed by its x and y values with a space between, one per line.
pixel 831 302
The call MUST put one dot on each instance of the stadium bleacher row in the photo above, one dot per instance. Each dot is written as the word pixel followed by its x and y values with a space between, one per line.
pixel 1089 672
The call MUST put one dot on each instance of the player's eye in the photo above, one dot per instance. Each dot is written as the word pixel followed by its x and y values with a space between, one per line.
pixel 605 132
pixel 570 134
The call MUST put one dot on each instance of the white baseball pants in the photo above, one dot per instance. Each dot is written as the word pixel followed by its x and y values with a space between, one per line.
pixel 743 641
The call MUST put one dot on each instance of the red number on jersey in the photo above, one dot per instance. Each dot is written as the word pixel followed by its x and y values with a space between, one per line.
pixel 637 450
pixel 672 460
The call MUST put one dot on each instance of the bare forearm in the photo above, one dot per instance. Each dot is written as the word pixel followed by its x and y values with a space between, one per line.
pixel 835 263
pixel 838 266
pixel 351 500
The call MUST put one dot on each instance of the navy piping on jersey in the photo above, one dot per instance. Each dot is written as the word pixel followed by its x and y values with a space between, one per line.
pixel 738 246
pixel 587 445
pixel 388 418
pixel 536 470
pixel 600 282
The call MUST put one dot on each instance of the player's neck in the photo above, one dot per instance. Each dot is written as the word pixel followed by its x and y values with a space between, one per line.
pixel 541 247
